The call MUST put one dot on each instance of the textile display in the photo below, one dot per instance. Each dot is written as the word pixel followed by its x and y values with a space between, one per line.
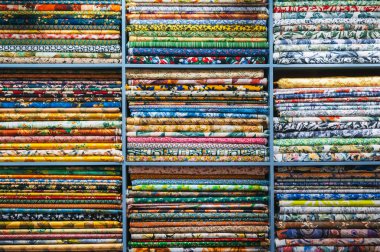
pixel 197 32
pixel 327 119
pixel 197 115
pixel 326 32
pixel 168 211
pixel 51 31
pixel 60 116
pixel 60 208
pixel 334 208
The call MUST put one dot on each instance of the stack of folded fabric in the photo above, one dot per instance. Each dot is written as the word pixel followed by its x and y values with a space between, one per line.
pixel 178 209
pixel 327 119
pixel 326 32
pixel 328 209
pixel 63 31
pixel 197 115
pixel 60 209
pixel 60 115
pixel 197 32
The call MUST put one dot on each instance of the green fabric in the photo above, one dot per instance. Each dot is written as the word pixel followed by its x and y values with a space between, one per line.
pixel 196 44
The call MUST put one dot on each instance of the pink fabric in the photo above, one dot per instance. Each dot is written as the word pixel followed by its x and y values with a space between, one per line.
pixel 59 36
pixel 261 140
pixel 60 139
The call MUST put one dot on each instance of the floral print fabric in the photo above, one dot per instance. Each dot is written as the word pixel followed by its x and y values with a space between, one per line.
pixel 326 119
pixel 203 119
pixel 177 32
pixel 329 26
pixel 326 207
pixel 61 208
pixel 60 116
pixel 177 214
pixel 60 32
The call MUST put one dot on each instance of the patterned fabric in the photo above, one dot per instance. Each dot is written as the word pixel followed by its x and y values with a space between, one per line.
pixel 60 116
pixel 50 209
pixel 194 60
pixel 208 126
pixel 302 31
pixel 164 214
pixel 326 119
pixel 65 32
pixel 324 207
pixel 210 32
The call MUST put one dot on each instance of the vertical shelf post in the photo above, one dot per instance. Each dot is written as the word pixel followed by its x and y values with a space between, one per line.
pixel 271 114
pixel 123 127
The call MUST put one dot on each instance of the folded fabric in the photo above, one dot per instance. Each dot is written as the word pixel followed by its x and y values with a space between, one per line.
pixel 193 74
pixel 43 207
pixel 31 131
pixel 341 208
pixel 171 32
pixel 200 53
pixel 183 118
pixel 339 32
pixel 203 212
pixel 194 60
pixel 60 32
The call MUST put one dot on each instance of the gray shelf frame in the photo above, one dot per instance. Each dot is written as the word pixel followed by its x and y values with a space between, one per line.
pixel 270 68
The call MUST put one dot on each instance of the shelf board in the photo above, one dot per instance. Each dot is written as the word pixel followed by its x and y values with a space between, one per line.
pixel 252 66
pixel 61 65
pixel 351 163
pixel 197 163
pixel 58 163
pixel 325 66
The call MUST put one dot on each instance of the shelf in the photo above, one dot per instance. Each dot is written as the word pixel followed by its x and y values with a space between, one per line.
pixel 351 163
pixel 269 68
pixel 57 163
pixel 61 65
pixel 252 66
pixel 325 66
pixel 197 163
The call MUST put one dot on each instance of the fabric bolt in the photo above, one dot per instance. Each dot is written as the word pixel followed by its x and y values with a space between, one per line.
pixel 177 215
pixel 369 34
pixel 202 187
pixel 310 128
pixel 187 39
pixel 197 52
pixel 175 32
pixel 60 32
pixel 40 211
pixel 323 33
pixel 74 128
pixel 198 44
pixel 186 9
pixel 194 60
pixel 340 214
pixel 176 116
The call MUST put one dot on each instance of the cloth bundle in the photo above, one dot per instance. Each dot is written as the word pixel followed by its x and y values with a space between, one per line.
pixel 215 209
pixel 197 32
pixel 326 32
pixel 327 119
pixel 60 116
pixel 60 31
pixel 197 115
pixel 60 209
pixel 330 209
